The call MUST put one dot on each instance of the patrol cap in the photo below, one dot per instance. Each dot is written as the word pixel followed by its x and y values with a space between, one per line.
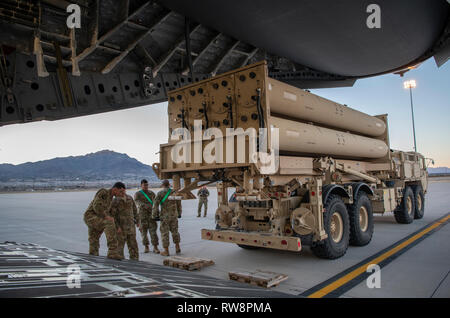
pixel 119 185
pixel 165 183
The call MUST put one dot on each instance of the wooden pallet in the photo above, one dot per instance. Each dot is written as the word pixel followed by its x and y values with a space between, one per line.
pixel 259 278
pixel 187 263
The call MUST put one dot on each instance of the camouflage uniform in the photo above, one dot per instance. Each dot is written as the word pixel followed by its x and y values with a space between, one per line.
pixel 202 200
pixel 145 215
pixel 95 219
pixel 125 216
pixel 170 211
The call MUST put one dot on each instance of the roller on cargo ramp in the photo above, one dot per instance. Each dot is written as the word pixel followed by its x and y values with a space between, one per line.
pixel 30 270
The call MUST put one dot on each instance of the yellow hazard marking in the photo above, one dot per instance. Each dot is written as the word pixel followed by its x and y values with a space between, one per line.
pixel 362 269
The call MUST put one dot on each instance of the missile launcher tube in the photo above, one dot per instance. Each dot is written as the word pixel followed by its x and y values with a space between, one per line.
pixel 298 137
pixel 299 104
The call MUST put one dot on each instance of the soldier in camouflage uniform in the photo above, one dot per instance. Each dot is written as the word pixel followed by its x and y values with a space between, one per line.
pixel 98 219
pixel 170 212
pixel 203 195
pixel 126 218
pixel 147 223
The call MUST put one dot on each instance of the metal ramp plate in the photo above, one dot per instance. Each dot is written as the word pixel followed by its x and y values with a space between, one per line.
pixel 187 263
pixel 259 278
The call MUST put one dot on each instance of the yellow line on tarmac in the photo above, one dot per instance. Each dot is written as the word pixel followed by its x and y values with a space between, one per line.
pixel 362 269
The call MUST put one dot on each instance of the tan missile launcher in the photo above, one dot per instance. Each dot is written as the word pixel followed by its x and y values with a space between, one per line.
pixel 305 170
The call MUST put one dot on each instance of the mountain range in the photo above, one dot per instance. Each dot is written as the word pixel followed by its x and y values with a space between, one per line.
pixel 102 165
pixel 439 170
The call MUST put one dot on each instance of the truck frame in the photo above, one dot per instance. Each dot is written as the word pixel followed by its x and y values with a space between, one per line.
pixel 324 200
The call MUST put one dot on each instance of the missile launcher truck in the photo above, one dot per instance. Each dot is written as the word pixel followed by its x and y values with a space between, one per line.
pixel 330 168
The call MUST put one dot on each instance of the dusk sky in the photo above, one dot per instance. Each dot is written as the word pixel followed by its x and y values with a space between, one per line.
pixel 139 131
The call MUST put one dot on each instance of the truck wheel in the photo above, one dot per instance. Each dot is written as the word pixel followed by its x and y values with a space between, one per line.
pixel 336 224
pixel 361 220
pixel 404 213
pixel 248 247
pixel 419 202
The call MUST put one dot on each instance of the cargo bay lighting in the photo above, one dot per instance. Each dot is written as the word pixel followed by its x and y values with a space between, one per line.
pixel 410 85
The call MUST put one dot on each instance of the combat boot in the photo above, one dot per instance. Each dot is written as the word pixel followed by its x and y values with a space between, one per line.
pixel 165 252
pixel 155 249
pixel 146 249
pixel 115 256
pixel 177 248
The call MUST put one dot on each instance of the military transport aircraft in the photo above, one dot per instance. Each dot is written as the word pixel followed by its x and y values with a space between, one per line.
pixel 62 59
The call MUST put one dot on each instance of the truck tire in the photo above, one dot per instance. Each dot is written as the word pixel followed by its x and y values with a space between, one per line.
pixel 404 213
pixel 419 198
pixel 337 227
pixel 361 220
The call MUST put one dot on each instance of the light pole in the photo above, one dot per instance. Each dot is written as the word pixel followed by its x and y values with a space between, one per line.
pixel 410 85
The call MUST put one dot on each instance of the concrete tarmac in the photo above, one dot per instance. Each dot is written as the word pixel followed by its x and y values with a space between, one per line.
pixel 55 220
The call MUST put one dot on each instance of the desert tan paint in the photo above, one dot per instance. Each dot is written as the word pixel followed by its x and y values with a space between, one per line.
pixel 297 103
pixel 306 138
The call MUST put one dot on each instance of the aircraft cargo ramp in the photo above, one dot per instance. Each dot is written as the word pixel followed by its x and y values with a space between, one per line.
pixel 30 270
